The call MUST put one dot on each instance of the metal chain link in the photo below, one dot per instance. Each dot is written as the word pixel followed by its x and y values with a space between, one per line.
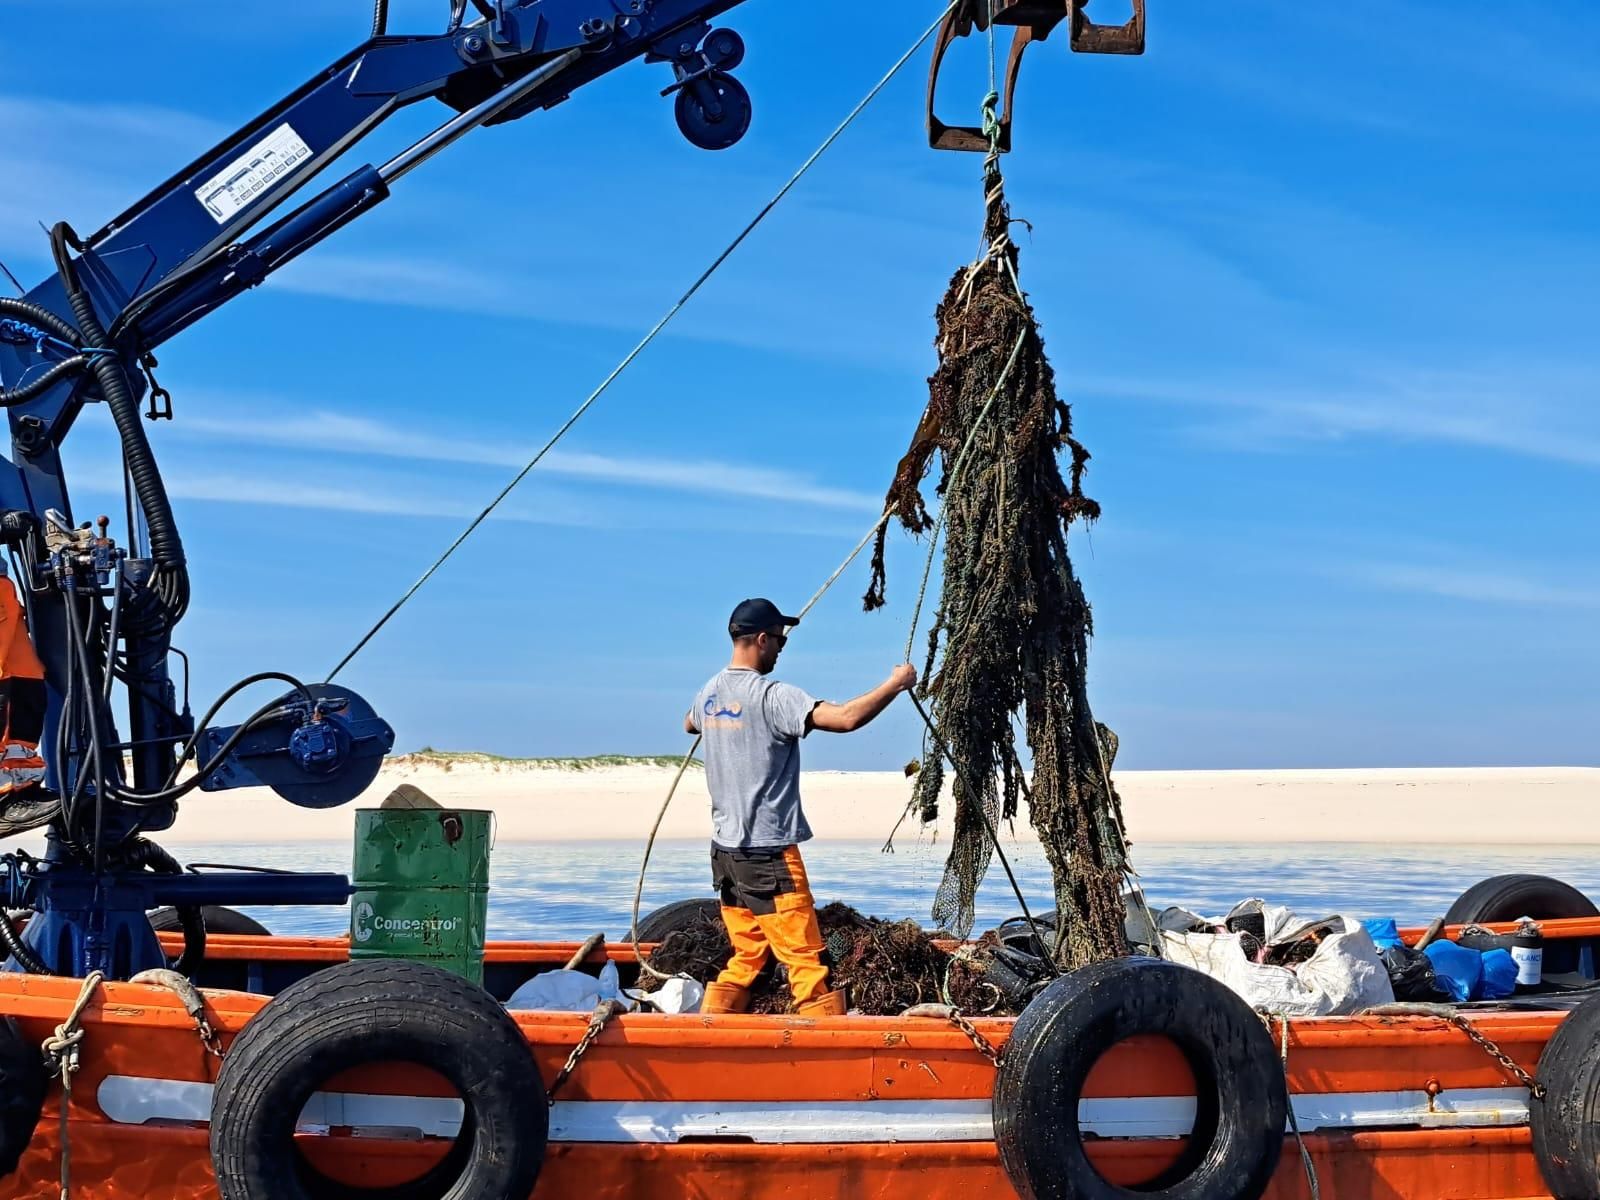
pixel 982 1044
pixel 603 1012
pixel 1511 1068
pixel 193 1003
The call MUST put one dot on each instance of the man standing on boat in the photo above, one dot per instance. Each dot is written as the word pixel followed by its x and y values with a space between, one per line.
pixel 752 726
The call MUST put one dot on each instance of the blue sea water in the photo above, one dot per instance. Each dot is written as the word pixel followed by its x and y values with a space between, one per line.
pixel 560 891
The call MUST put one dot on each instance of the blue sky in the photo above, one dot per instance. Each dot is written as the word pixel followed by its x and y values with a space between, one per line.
pixel 1322 298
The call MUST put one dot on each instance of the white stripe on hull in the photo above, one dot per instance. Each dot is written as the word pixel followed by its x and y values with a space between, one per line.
pixel 131 1100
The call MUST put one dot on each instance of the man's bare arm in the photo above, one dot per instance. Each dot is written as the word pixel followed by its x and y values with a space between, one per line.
pixel 853 714
pixel 688 725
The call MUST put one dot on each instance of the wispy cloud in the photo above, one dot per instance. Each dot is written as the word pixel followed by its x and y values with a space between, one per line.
pixel 1540 414
pixel 360 436
pixel 251 489
pixel 1508 586
pixel 85 161
pixel 406 281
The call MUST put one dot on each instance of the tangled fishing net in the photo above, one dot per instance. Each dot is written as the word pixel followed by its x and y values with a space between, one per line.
pixel 884 967
pixel 1010 636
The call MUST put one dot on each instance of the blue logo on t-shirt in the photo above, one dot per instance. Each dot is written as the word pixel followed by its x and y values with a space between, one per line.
pixel 732 712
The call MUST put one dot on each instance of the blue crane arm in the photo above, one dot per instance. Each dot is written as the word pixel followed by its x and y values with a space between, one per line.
pixel 176 254
pixel 102 613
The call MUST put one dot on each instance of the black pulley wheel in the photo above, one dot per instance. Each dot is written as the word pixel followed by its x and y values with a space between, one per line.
pixel 654 926
pixel 1242 1101
pixel 1507 897
pixel 1566 1122
pixel 372 1011
pixel 217 920
pixel 713 111
pixel 724 49
pixel 22 1086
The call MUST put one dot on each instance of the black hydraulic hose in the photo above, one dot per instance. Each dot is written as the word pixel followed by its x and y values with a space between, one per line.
pixel 142 852
pixel 165 545
pixel 36 314
pixel 42 318
pixel 90 701
pixel 36 387
pixel 216 707
pixel 67 726
pixel 172 790
pixel 170 793
pixel 26 958
pixel 380 17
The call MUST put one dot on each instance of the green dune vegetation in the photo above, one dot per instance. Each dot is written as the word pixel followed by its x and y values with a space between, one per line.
pixel 448 759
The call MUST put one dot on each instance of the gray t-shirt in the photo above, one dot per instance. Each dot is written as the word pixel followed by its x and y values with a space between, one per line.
pixel 752 726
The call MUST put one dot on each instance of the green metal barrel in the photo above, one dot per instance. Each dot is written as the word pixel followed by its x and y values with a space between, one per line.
pixel 422 886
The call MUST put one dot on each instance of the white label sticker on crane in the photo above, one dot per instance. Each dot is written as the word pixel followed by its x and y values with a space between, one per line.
pixel 254 173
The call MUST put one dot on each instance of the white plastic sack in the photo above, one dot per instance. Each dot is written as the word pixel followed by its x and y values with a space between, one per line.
pixel 570 991
pixel 676 995
pixel 1343 975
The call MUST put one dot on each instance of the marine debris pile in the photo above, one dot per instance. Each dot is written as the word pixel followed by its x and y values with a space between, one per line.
pixel 885 967
pixel 1010 635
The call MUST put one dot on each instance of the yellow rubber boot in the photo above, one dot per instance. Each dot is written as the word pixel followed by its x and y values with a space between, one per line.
pixel 725 998
pixel 829 1004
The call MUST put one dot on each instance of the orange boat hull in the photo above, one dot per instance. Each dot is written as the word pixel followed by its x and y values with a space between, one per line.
pixel 768 1107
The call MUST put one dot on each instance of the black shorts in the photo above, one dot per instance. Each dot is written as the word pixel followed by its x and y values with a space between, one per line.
pixel 752 878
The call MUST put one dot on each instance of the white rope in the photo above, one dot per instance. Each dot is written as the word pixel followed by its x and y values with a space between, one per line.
pixel 639 349
pixel 61 1048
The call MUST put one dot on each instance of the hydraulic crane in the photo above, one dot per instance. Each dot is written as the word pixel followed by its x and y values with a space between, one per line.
pixel 103 613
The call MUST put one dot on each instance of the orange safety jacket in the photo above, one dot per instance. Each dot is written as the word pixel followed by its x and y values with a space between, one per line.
pixel 22 698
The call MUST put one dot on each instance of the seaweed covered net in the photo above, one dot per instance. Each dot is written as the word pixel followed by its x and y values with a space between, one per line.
pixel 884 967
pixel 1011 631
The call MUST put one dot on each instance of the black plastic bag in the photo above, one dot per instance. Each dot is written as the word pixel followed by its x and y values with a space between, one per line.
pixel 1411 975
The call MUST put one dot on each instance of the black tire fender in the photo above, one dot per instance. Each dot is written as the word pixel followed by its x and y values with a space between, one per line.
pixel 22 1087
pixel 1507 897
pixel 1566 1123
pixel 1242 1099
pixel 217 919
pixel 371 1011
pixel 680 914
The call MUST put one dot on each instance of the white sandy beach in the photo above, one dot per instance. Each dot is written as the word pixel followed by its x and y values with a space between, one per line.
pixel 533 802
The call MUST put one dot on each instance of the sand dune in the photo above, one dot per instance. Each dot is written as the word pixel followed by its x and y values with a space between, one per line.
pixel 535 801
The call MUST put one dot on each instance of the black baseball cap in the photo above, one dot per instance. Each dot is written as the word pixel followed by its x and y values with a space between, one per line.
pixel 757 616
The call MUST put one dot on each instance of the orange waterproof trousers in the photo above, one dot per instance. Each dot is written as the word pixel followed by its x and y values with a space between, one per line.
pixel 768 909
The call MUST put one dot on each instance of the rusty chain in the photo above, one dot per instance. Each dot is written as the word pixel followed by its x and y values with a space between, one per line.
pixel 1535 1088
pixel 980 1043
pixel 603 1012
pixel 193 1003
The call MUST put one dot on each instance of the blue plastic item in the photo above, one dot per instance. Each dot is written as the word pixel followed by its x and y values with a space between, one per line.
pixel 1460 970
pixel 1499 975
pixel 1383 932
